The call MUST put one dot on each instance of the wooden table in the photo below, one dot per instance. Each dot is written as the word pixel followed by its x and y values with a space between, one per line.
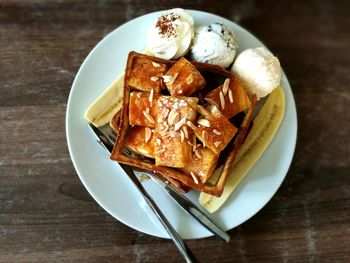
pixel 46 215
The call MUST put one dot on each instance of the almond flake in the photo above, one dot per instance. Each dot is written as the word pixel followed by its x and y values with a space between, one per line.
pixel 147 110
pixel 165 113
pixel 230 96
pixel 155 64
pixel 148 134
pixel 166 78
pixel 211 102
pixel 173 78
pixel 182 135
pixel 180 91
pixel 189 79
pixel 222 100
pixel 159 141
pixel 198 154
pixel 173 117
pixel 204 138
pixel 148 116
pixel 202 111
pixel 154 78
pixel 217 143
pixel 179 124
pixel 184 128
pixel 216 132
pixel 194 178
pixel 191 125
pixel 225 86
pixel 204 122
pixel 150 98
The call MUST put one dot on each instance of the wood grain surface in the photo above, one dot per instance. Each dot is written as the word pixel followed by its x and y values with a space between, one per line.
pixel 46 215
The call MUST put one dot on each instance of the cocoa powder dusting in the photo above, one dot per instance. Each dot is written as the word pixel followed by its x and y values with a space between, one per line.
pixel 165 24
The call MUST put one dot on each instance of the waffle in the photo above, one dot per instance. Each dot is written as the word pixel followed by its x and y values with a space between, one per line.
pixel 182 120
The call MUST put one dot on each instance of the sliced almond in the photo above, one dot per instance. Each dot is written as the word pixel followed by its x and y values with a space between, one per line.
pixel 191 125
pixel 197 154
pixel 189 79
pixel 204 138
pixel 173 78
pixel 154 78
pixel 217 143
pixel 159 141
pixel 173 117
pixel 184 128
pixel 195 179
pixel 165 113
pixel 222 100
pixel 150 98
pixel 182 135
pixel 166 78
pixel 230 96
pixel 155 64
pixel 216 132
pixel 179 124
pixel 202 111
pixel 148 110
pixel 180 91
pixel 148 116
pixel 204 122
pixel 225 86
pixel 212 102
pixel 148 134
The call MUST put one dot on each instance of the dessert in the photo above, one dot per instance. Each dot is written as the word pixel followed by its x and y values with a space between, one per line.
pixel 214 44
pixel 187 120
pixel 171 34
pixel 258 70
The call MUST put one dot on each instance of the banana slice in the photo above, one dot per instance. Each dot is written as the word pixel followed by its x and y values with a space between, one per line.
pixel 265 126
pixel 101 111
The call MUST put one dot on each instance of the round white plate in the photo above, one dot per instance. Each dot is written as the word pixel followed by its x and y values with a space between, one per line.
pixel 106 181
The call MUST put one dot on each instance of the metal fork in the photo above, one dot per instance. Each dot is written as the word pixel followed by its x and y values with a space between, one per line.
pixel 107 138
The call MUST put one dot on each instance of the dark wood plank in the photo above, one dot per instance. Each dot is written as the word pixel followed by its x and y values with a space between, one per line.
pixel 46 215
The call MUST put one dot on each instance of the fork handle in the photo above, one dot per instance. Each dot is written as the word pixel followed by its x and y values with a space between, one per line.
pixel 181 246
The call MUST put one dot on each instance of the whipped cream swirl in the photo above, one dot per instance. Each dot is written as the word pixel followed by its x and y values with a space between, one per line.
pixel 171 35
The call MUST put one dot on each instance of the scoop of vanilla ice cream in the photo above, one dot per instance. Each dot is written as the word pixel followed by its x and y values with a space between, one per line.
pixel 258 70
pixel 171 34
pixel 214 44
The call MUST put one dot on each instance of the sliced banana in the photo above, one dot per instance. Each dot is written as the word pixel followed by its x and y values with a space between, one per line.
pixel 101 111
pixel 264 128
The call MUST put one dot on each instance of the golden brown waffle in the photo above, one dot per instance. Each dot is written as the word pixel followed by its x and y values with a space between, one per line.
pixel 214 77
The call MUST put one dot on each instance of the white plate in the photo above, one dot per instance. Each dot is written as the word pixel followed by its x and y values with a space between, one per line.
pixel 106 181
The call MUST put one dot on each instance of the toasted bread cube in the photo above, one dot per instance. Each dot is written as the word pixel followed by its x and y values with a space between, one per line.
pixel 203 164
pixel 184 106
pixel 219 134
pixel 184 79
pixel 146 74
pixel 141 110
pixel 170 150
pixel 235 99
pixel 137 141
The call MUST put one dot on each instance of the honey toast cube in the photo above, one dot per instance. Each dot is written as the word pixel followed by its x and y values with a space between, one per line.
pixel 214 130
pixel 203 164
pixel 174 109
pixel 146 74
pixel 231 99
pixel 171 150
pixel 140 140
pixel 142 109
pixel 183 79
